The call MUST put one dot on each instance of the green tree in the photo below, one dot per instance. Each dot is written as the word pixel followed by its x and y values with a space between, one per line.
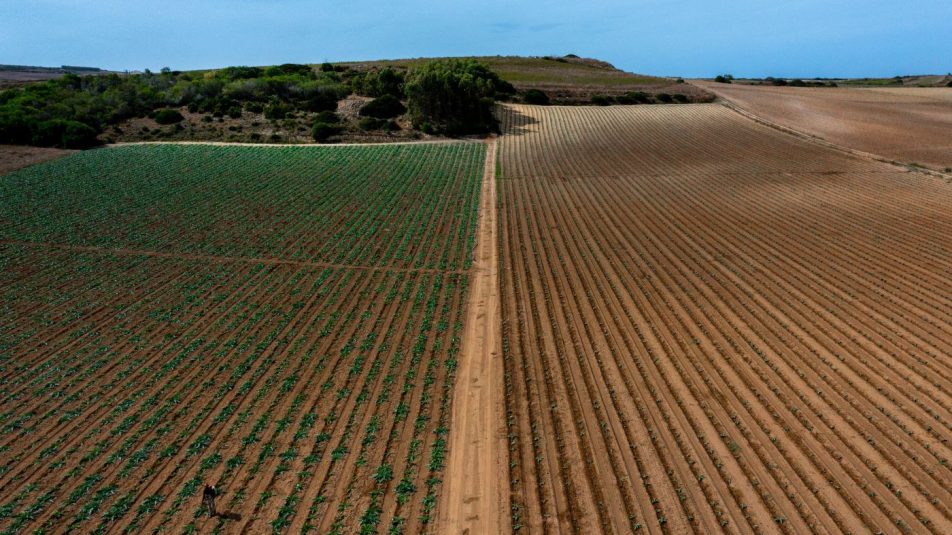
pixel 383 107
pixel 535 96
pixel 453 96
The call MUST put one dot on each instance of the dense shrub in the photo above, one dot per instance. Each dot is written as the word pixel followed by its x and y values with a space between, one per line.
pixel 386 81
pixel 724 78
pixel 330 67
pixel 322 131
pixel 64 134
pixel 323 100
pixel 383 107
pixel 454 96
pixel 277 109
pixel 664 97
pixel 680 99
pixel 371 123
pixel 535 96
pixel 289 68
pixel 327 116
pixel 634 97
pixel 168 116
pixel 602 100
pixel 240 73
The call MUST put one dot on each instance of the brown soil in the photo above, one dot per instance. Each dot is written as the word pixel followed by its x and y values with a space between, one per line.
pixel 910 125
pixel 13 157
pixel 713 326
pixel 475 500
pixel 561 93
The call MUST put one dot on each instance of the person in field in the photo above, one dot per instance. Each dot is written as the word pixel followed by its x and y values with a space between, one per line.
pixel 208 498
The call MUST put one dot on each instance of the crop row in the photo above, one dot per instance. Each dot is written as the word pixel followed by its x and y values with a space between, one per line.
pixel 297 389
pixel 692 345
pixel 283 322
pixel 405 205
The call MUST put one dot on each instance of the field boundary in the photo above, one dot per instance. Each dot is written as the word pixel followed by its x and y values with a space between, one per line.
pixel 810 138
pixel 240 144
pixel 475 500
pixel 223 259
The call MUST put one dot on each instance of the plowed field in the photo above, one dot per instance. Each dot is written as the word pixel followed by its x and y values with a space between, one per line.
pixel 910 125
pixel 281 322
pixel 709 325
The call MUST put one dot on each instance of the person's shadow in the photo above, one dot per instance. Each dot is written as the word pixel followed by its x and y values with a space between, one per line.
pixel 229 516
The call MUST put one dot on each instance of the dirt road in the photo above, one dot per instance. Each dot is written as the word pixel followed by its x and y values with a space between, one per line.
pixel 475 499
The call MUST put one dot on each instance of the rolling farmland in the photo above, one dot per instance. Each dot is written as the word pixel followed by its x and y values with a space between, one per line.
pixel 907 124
pixel 661 319
pixel 709 325
pixel 283 322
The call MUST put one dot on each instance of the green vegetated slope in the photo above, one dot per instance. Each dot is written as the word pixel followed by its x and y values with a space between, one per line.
pixel 315 396
pixel 399 205
pixel 531 71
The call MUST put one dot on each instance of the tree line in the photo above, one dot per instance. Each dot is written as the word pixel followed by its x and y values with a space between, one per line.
pixel 452 97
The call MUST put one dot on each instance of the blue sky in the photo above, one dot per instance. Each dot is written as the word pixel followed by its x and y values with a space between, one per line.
pixel 796 38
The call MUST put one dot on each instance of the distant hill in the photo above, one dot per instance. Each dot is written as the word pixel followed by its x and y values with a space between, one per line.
pixel 11 75
pixel 566 79
pixel 915 80
pixel 300 103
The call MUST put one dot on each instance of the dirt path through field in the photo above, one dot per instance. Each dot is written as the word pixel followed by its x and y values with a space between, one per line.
pixel 475 499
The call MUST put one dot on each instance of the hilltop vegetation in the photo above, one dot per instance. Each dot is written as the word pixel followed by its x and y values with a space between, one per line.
pixel 566 79
pixel 294 103
pixel 453 97
pixel 927 80
pixel 73 110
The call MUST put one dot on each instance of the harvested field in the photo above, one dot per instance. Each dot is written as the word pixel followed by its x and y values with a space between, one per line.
pixel 282 322
pixel 709 325
pixel 910 125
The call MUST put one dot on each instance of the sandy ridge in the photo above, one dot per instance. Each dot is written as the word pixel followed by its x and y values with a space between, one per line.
pixel 475 499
